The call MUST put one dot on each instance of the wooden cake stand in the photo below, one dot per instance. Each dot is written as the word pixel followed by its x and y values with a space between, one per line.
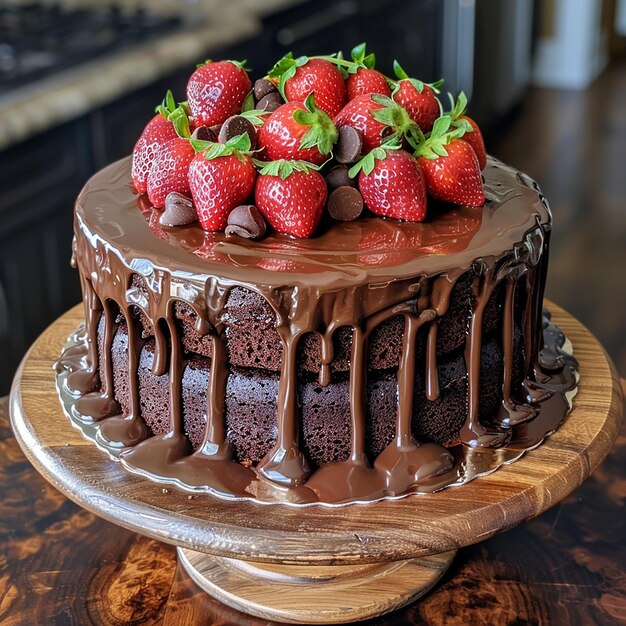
pixel 316 564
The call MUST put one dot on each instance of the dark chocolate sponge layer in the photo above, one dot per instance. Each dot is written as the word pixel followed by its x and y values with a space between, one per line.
pixel 324 411
pixel 252 340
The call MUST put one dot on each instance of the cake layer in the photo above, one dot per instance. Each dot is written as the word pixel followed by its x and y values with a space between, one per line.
pixel 252 339
pixel 251 403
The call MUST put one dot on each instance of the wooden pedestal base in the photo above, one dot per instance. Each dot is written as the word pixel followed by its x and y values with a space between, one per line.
pixel 320 594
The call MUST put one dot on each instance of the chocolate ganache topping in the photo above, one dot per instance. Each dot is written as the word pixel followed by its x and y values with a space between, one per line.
pixel 356 274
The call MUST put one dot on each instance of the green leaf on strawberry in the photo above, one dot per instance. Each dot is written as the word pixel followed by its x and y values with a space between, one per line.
pixel 396 117
pixel 322 133
pixel 179 118
pixel 256 116
pixel 248 111
pixel 178 114
pixel 284 69
pixel 168 105
pixel 248 102
pixel 237 146
pixel 418 84
pixel 457 114
pixel 443 132
pixel 368 162
pixel 284 167
pixel 457 108
pixel 361 59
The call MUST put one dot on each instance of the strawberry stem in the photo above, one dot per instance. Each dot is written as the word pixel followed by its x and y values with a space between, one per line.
pixel 322 133
pixel 178 114
pixel 443 132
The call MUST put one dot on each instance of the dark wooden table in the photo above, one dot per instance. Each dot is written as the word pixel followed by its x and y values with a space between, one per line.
pixel 62 565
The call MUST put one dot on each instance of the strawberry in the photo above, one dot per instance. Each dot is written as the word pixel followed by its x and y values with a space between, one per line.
pixel 362 77
pixel 298 78
pixel 170 170
pixel 221 177
pixel 375 116
pixel 159 130
pixel 291 196
pixel 298 131
pixel 417 98
pixel 392 184
pixel 216 91
pixel 450 165
pixel 473 137
pixel 364 81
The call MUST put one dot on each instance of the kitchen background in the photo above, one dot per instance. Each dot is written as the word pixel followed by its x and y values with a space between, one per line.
pixel 79 80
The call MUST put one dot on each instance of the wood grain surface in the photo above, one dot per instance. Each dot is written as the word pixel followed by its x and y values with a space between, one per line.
pixel 61 565
pixel 382 531
pixel 321 594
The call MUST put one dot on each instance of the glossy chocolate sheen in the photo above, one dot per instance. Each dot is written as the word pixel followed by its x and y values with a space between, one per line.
pixel 358 275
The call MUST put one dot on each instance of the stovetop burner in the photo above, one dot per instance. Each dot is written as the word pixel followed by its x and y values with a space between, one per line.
pixel 38 41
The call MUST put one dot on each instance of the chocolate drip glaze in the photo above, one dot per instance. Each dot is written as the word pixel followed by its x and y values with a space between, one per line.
pixel 355 275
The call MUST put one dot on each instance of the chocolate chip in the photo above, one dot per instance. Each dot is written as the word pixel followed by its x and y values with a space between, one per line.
pixel 179 210
pixel 262 87
pixel 338 177
pixel 270 102
pixel 345 204
pixel 349 145
pixel 246 221
pixel 204 133
pixel 237 125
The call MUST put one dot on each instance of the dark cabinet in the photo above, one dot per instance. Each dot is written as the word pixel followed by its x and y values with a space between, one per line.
pixel 39 181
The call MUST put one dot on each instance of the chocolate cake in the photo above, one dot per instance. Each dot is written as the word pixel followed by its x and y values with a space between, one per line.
pixel 375 359
pixel 314 289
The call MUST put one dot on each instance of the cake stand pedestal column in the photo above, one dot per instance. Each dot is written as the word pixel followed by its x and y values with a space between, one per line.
pixel 316 564
pixel 319 594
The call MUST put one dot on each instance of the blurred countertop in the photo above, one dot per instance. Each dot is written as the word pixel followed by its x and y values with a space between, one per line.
pixel 34 108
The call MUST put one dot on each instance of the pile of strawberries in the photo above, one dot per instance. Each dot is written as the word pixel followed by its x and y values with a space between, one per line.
pixel 316 133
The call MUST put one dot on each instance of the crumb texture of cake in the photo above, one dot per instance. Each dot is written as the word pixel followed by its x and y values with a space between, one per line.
pixel 363 363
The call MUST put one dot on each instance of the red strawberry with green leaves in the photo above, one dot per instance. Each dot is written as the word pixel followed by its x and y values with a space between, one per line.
pixel 221 177
pixel 216 91
pixel 169 123
pixel 473 137
pixel 417 98
pixel 378 118
pixel 450 165
pixel 298 78
pixel 291 195
pixel 392 184
pixel 170 171
pixel 362 77
pixel 298 131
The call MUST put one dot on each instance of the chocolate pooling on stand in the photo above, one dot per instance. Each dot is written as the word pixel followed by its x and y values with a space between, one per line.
pixel 328 298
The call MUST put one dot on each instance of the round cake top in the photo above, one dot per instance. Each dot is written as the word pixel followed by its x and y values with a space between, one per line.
pixel 363 252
